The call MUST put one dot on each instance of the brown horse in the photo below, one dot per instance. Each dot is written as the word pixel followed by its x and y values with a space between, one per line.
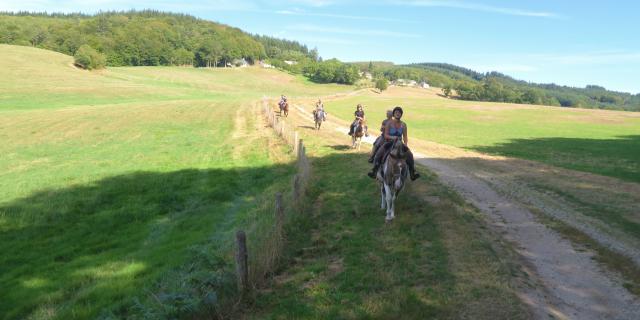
pixel 392 175
pixel 284 108
pixel 358 132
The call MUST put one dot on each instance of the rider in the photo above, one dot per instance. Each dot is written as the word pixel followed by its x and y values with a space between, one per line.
pixel 380 138
pixel 359 116
pixel 320 107
pixel 395 129
pixel 283 99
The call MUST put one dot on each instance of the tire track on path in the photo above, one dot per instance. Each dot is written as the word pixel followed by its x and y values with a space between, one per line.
pixel 569 283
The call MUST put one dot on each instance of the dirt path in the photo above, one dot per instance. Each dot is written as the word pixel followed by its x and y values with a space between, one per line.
pixel 566 282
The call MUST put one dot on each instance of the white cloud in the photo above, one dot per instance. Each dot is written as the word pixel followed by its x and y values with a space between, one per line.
pixel 327 41
pixel 504 68
pixel 589 58
pixel 298 12
pixel 357 32
pixel 314 3
pixel 478 7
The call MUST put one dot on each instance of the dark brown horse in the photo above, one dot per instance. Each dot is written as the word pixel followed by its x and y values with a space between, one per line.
pixel 284 108
pixel 358 132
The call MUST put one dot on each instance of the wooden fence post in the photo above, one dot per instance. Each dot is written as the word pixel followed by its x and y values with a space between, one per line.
pixel 296 189
pixel 241 262
pixel 279 211
pixel 300 147
pixel 295 142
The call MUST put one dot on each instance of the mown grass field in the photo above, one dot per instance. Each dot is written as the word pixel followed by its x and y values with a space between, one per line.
pixel 601 142
pixel 120 190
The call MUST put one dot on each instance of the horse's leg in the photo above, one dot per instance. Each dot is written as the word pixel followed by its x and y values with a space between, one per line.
pixel 393 205
pixel 383 202
pixel 388 197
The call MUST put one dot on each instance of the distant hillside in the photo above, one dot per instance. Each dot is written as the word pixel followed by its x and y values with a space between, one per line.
pixel 151 38
pixel 133 38
pixel 468 84
pixel 495 86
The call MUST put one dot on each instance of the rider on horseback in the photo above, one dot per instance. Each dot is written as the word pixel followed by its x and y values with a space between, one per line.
pixel 394 130
pixel 359 117
pixel 319 108
pixel 380 138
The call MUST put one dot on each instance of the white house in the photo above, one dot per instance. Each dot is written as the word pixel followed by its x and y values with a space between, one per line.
pixel 289 62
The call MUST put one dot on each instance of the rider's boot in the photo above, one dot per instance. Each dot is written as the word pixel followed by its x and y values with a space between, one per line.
pixel 413 174
pixel 372 156
pixel 374 171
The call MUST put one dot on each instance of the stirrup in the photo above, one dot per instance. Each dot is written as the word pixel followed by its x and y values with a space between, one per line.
pixel 372 174
pixel 415 176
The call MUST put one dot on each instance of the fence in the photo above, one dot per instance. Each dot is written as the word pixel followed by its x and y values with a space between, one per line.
pixel 253 265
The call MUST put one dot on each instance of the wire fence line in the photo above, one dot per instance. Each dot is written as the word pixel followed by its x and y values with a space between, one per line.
pixel 256 258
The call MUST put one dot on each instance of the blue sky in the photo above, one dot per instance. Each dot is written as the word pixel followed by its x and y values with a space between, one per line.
pixel 566 42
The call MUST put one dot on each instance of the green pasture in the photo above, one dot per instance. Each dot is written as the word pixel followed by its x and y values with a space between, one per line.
pixel 120 190
pixel 602 142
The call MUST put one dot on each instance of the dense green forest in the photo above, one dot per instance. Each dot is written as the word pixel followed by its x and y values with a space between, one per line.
pixel 467 84
pixel 151 38
pixel 133 38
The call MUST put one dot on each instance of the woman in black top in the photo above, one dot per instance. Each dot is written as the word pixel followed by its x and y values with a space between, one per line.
pixel 359 114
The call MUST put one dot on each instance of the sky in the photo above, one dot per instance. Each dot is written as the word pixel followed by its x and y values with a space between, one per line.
pixel 567 42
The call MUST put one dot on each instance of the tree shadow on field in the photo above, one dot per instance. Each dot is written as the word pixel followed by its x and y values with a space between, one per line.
pixel 100 244
pixel 619 158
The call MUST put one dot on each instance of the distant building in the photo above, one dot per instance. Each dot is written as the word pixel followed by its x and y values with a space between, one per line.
pixel 289 62
pixel 424 85
pixel 240 63
pixel 405 83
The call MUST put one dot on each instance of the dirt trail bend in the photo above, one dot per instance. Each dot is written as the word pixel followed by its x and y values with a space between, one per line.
pixel 567 283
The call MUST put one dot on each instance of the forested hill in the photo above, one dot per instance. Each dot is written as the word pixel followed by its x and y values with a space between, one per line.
pixel 494 86
pixel 134 38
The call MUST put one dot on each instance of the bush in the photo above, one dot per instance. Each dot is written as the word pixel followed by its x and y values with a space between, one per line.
pixel 88 58
pixel 382 84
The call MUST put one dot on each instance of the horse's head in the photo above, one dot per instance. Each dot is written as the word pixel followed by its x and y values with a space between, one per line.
pixel 398 150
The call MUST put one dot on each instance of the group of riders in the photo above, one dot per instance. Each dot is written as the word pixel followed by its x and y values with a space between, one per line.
pixel 392 129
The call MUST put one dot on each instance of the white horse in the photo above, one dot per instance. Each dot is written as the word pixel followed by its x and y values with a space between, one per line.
pixel 318 117
pixel 392 176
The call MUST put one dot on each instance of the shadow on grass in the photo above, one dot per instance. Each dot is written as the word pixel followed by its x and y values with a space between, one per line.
pixel 340 147
pixel 85 248
pixel 619 158
pixel 307 127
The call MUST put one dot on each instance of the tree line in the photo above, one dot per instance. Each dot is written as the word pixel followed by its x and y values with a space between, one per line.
pixel 467 84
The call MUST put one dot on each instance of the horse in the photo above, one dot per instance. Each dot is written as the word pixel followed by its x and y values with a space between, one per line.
pixel 358 132
pixel 392 175
pixel 318 117
pixel 284 108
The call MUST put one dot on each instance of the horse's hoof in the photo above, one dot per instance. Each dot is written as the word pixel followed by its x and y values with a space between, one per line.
pixel 387 220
